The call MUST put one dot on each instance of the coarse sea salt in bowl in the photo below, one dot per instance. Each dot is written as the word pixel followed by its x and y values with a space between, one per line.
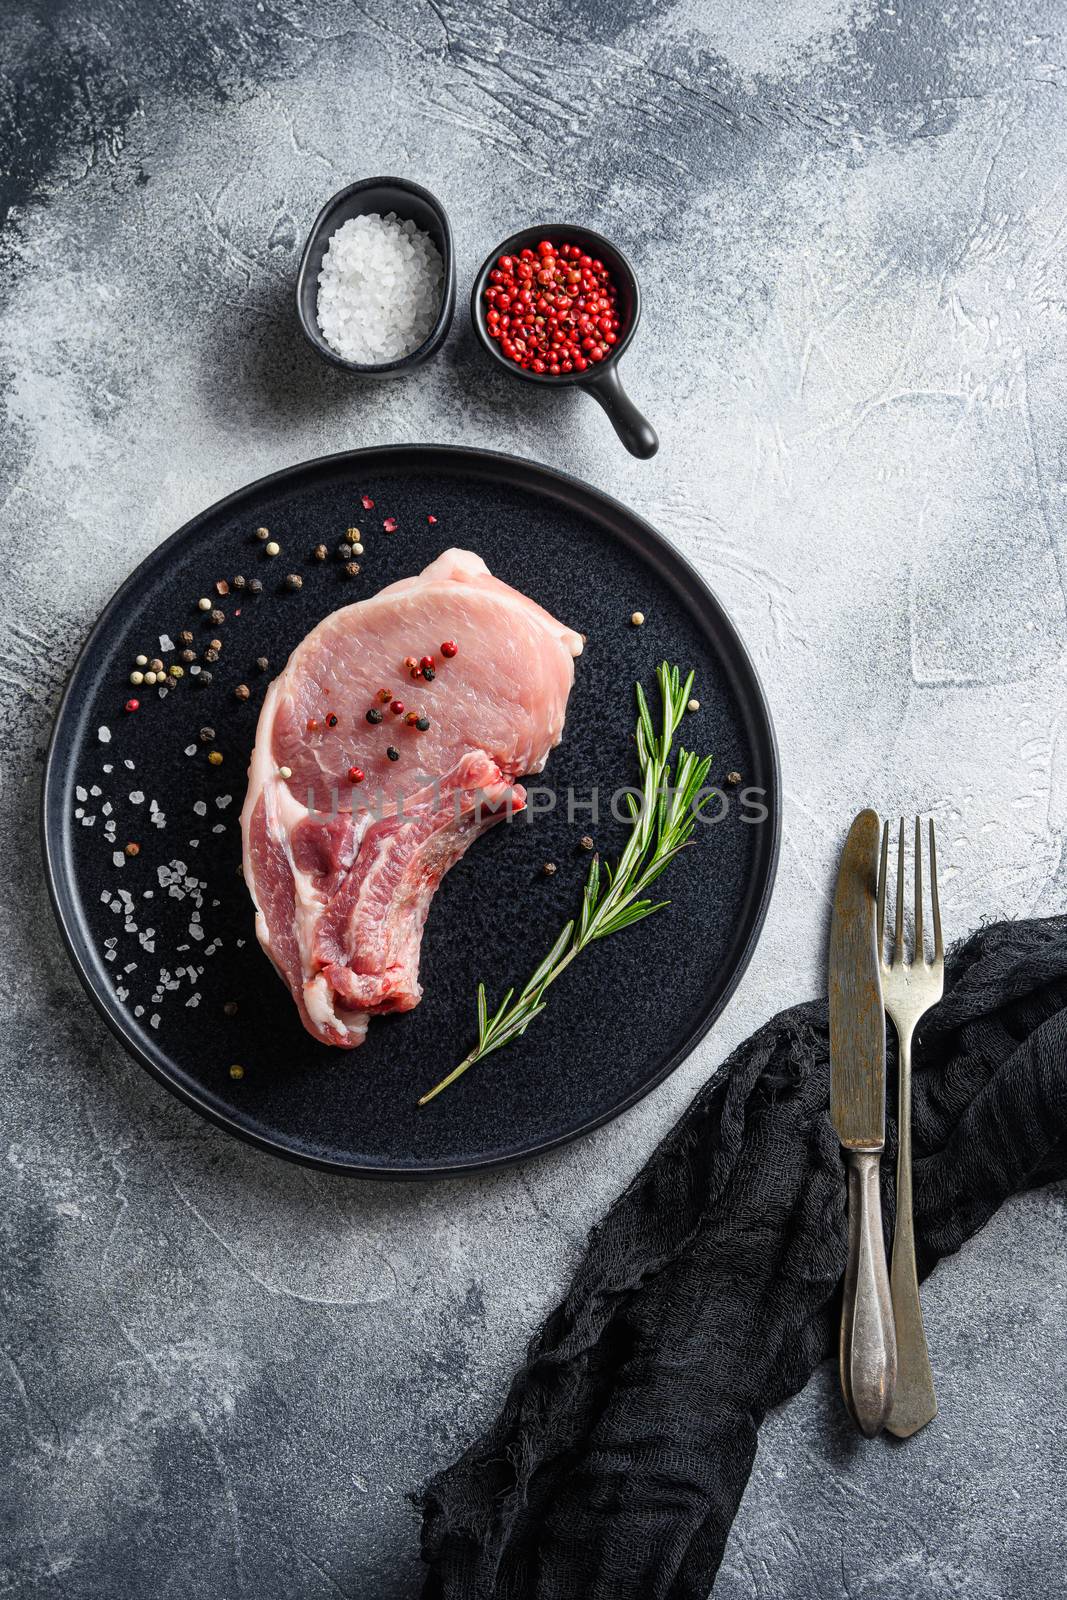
pixel 376 290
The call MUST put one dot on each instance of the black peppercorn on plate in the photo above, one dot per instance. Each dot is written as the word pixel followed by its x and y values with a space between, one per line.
pixel 142 838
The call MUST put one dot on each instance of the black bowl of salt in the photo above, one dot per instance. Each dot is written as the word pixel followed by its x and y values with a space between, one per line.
pixel 376 289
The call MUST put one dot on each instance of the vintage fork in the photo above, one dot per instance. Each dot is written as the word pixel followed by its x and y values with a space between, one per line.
pixel 909 989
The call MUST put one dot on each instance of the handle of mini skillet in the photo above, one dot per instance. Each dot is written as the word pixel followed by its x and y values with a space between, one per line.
pixel 635 430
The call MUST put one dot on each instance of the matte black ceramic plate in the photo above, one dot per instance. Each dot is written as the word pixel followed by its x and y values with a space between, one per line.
pixel 163 940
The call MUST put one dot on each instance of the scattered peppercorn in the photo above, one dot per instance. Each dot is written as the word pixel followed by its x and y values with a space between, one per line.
pixel 449 648
pixel 142 661
pixel 374 715
pixel 285 772
pixel 356 774
pixel 132 849
pixel 693 705
pixel 427 661
pixel 331 720
pixel 411 665
pixel 211 654
pixel 293 581
pixel 222 587
pixel 392 752
pixel 344 552
pixel 586 842
pixel 262 533
pixel 357 549
pixel 255 586
pixel 239 580
pixel 204 678
pixel 320 552
pixel 397 707
pixel 637 618
pixel 422 724
pixel 150 679
pixel 273 548
pixel 549 869
pixel 352 569
pixel 218 617
pixel 215 757
pixel 411 718
pixel 352 534
pixel 384 695
pixel 133 705
pixel 203 604
pixel 206 735
pixel 136 678
pixel 733 779
pixel 242 691
pixel 262 663
pixel 429 673
pixel 230 1008
pixel 176 671
pixel 215 644
pixel 237 1071
pixel 312 724
pixel 156 665
pixel 188 655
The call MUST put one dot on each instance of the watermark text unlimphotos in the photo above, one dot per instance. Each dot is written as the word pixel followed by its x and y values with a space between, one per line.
pixel 423 793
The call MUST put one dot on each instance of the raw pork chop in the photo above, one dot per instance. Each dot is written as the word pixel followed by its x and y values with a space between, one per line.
pixel 342 875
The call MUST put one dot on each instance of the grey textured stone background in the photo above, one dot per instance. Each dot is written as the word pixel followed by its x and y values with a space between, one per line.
pixel 221 1375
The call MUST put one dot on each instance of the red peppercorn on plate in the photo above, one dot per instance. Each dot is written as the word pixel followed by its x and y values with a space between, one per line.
pixel 145 783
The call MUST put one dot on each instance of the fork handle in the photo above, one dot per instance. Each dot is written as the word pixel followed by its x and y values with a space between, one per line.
pixel 915 1399
pixel 868 1340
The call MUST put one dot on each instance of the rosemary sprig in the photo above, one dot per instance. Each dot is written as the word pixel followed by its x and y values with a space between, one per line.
pixel 613 898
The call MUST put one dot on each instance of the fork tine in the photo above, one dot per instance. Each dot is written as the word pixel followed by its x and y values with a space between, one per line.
pixel 920 945
pixel 898 940
pixel 939 948
pixel 881 888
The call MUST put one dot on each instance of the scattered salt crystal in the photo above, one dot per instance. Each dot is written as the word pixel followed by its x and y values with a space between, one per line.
pixel 379 289
pixel 104 735
pixel 200 807
pixel 190 749
pixel 136 797
pixel 118 859
pixel 223 800
pixel 165 643
pixel 80 794
pixel 154 1019
pixel 128 764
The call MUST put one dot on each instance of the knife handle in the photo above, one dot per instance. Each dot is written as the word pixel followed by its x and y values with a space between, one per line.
pixel 868 1336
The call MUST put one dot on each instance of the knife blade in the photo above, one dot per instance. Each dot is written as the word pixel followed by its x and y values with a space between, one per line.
pixel 857 1020
pixel 868 1351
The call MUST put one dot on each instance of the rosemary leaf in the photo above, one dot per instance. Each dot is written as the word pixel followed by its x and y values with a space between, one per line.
pixel 613 898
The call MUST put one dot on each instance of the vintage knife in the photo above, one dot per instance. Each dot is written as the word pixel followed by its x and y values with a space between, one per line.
pixel 857 1108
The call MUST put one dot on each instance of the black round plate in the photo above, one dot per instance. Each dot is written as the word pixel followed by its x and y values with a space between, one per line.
pixel 164 940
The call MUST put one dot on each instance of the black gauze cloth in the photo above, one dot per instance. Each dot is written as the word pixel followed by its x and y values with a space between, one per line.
pixel 711 1290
